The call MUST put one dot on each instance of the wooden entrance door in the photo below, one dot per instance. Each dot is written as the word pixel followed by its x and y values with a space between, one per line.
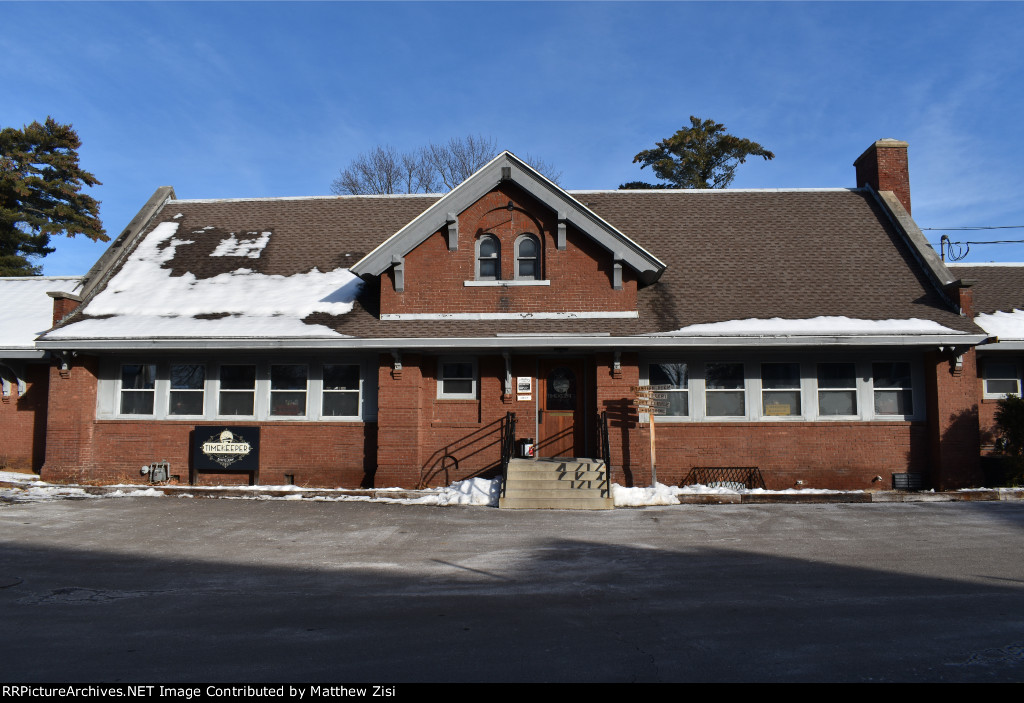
pixel 560 408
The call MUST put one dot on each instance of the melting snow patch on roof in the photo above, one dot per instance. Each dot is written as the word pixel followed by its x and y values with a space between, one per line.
pixel 144 300
pixel 815 326
pixel 251 248
pixel 1005 325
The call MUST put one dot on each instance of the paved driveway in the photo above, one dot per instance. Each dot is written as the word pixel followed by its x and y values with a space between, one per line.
pixel 172 589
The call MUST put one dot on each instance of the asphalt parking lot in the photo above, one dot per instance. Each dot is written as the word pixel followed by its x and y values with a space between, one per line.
pixel 178 589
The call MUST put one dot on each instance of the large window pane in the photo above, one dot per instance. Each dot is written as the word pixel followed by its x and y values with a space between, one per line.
pixel 1001 378
pixel 188 382
pixel 138 389
pixel 288 389
pixel 837 389
pixel 893 388
pixel 721 400
pixel 341 390
pixel 780 394
pixel 237 390
pixel 678 377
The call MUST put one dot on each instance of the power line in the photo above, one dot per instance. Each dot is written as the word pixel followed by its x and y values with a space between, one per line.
pixel 961 229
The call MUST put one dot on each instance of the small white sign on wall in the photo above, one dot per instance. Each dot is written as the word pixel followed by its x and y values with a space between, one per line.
pixel 524 387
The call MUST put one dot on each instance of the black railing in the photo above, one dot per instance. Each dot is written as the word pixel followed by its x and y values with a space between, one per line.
pixel 724 477
pixel 508 443
pixel 606 453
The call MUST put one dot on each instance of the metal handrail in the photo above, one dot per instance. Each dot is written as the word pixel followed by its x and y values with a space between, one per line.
pixel 606 454
pixel 508 440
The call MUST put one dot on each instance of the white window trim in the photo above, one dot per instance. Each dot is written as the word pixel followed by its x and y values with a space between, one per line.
pixel 862 386
pixel 808 389
pixel 539 259
pixel 497 258
pixel 167 396
pixel 108 396
pixel 121 389
pixel 986 364
pixel 441 395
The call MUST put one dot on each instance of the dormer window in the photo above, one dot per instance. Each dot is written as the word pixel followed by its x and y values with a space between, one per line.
pixel 488 258
pixel 527 258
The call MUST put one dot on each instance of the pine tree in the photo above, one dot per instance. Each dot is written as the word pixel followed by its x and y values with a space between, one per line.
pixel 699 156
pixel 40 184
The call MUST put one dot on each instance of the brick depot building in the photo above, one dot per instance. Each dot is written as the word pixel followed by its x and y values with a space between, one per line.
pixel 384 340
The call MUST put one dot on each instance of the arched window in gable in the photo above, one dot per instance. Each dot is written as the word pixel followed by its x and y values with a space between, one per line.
pixel 528 263
pixel 488 258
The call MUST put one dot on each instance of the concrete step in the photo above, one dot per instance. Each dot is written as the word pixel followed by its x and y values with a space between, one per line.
pixel 546 484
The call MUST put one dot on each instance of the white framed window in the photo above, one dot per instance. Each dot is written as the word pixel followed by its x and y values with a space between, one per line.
pixel 837 389
pixel 768 387
pixel 488 258
pixel 137 389
pixel 289 384
pixel 893 388
pixel 780 389
pixel 528 264
pixel 237 390
pixel 677 375
pixel 187 393
pixel 341 390
pixel 725 393
pixel 1002 378
pixel 190 390
pixel 457 379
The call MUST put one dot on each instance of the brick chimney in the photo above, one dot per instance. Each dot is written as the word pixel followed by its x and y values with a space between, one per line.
pixel 883 166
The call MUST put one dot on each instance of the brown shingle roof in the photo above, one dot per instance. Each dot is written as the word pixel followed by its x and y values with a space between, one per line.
pixel 730 255
pixel 996 287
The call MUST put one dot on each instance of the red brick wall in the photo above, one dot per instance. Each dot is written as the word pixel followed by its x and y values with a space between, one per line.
pixel 82 449
pixel 954 397
pixel 23 421
pixel 836 455
pixel 428 441
pixel 886 168
pixel 580 276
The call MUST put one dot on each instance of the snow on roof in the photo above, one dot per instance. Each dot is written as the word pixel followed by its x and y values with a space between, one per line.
pixel 144 300
pixel 251 248
pixel 25 309
pixel 815 326
pixel 1005 325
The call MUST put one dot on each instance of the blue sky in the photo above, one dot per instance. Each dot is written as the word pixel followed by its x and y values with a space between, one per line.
pixel 272 99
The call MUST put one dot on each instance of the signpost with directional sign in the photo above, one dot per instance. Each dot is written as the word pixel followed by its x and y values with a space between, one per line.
pixel 653 401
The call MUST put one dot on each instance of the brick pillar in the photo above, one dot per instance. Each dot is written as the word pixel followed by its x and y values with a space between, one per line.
pixel 953 432
pixel 63 305
pixel 630 452
pixel 884 166
pixel 71 418
pixel 399 422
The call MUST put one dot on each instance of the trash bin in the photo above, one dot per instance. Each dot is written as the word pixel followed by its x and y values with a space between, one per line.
pixel 526 447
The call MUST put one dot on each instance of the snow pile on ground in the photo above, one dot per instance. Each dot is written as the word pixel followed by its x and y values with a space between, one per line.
pixel 815 326
pixel 144 300
pixel 1005 325
pixel 473 491
pixel 661 494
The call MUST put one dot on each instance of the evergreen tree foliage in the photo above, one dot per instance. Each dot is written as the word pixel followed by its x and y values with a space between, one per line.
pixel 40 184
pixel 702 155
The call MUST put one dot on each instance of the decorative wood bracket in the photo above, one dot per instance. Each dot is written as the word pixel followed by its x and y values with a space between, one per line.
pixel 453 232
